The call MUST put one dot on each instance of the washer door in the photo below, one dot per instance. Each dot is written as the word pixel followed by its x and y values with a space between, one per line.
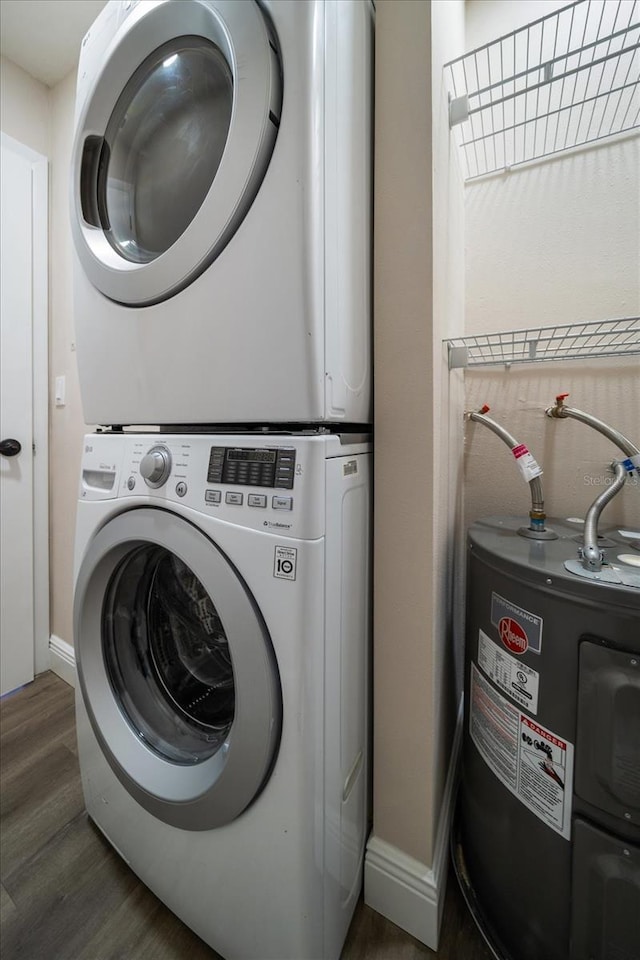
pixel 176 668
pixel 172 144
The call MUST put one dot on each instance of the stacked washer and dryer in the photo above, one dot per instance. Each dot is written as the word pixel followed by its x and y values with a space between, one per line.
pixel 221 216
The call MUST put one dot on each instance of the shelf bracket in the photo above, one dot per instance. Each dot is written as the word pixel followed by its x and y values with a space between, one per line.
pixel 458 357
pixel 458 109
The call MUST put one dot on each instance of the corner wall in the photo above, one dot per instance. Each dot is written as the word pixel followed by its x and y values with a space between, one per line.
pixel 67 423
pixel 24 108
pixel 418 301
pixel 555 242
pixel 549 243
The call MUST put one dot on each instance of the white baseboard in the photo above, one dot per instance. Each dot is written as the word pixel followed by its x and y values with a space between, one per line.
pixel 62 659
pixel 403 889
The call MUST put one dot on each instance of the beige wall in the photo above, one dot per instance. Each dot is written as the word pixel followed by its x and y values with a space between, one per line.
pixel 554 243
pixel 403 595
pixel 418 302
pixel 575 459
pixel 66 424
pixel 24 108
pixel 486 20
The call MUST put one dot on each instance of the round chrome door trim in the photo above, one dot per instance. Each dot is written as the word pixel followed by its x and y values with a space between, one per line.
pixel 218 789
pixel 241 33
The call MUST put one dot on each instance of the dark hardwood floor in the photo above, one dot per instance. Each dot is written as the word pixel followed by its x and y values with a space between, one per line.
pixel 66 895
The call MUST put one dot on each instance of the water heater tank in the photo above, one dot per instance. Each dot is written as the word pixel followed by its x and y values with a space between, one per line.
pixel 548 822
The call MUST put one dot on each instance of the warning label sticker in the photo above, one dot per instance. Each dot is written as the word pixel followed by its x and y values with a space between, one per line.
pixel 518 629
pixel 513 676
pixel 529 468
pixel 534 764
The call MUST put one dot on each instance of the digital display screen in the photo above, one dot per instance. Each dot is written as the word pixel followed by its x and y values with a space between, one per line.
pixel 253 456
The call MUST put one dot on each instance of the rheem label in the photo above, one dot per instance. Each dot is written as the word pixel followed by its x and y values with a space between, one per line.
pixel 519 630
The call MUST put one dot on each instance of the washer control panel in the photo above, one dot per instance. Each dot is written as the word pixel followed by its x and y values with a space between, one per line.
pixel 252 467
pixel 276 485
pixel 239 483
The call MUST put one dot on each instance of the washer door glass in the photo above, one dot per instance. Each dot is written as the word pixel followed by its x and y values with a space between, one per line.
pixel 163 146
pixel 178 676
pixel 167 656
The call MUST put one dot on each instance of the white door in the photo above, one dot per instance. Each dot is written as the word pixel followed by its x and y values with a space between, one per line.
pixel 19 295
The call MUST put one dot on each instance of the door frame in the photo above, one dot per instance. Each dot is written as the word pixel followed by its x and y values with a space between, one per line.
pixel 40 388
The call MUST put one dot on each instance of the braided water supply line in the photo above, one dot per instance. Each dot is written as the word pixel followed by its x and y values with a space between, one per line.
pixel 530 471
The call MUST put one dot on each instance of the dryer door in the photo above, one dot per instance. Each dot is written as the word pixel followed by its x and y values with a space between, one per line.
pixel 173 141
pixel 176 668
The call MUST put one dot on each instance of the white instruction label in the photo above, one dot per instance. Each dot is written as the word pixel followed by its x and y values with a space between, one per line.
pixel 285 561
pixel 513 676
pixel 529 468
pixel 533 763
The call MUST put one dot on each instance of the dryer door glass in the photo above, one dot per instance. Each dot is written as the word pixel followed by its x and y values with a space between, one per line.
pixel 167 656
pixel 176 124
pixel 163 146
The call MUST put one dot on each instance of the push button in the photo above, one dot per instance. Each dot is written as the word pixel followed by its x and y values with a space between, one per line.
pixel 285 469
pixel 131 482
pixel 181 488
pixel 233 498
pixel 257 500
pixel 282 503
pixel 212 496
pixel 216 464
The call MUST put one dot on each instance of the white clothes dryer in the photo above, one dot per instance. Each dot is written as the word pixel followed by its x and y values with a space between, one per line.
pixel 221 212
pixel 221 621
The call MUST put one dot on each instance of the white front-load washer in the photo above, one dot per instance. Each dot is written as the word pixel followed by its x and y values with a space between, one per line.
pixel 221 212
pixel 221 622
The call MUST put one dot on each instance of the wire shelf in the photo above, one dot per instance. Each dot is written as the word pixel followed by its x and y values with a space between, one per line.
pixel 574 341
pixel 567 79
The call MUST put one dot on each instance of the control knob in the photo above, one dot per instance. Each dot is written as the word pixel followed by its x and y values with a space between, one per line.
pixel 155 466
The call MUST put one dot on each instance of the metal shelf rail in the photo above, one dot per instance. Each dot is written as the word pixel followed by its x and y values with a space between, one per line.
pixel 567 79
pixel 574 341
